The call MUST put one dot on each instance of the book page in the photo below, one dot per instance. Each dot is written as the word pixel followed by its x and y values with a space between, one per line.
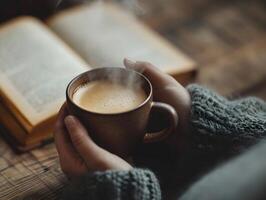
pixel 35 68
pixel 103 34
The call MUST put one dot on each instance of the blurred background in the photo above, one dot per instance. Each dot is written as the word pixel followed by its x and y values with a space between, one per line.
pixel 226 38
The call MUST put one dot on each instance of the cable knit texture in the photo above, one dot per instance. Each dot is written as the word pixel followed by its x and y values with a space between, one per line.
pixel 115 185
pixel 242 122
pixel 220 127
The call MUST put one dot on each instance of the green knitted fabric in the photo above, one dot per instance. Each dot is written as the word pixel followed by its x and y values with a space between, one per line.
pixel 115 185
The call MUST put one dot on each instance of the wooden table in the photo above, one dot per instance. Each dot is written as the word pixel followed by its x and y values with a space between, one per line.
pixel 228 41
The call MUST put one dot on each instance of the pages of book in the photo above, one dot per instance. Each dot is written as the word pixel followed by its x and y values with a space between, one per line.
pixel 35 68
pixel 103 34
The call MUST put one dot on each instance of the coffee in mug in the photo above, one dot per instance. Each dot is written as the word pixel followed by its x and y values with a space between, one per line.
pixel 103 96
pixel 116 106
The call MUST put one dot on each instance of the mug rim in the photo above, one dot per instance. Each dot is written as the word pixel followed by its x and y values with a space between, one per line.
pixel 149 96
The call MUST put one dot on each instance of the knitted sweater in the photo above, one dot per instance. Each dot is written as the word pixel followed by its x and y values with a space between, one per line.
pixel 220 127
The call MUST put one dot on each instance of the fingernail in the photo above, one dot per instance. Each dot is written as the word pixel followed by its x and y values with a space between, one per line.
pixel 70 121
pixel 129 63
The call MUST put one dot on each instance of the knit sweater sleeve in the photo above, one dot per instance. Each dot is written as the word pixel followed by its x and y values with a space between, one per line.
pixel 135 184
pixel 217 120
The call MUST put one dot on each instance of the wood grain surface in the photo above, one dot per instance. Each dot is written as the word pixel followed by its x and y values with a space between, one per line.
pixel 226 38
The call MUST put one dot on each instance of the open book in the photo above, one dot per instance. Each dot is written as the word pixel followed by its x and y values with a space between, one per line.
pixel 38 60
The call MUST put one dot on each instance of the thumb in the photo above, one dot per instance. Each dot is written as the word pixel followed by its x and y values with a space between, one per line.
pixel 81 140
pixel 94 156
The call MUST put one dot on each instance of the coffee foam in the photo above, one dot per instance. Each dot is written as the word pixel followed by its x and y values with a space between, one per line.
pixel 105 96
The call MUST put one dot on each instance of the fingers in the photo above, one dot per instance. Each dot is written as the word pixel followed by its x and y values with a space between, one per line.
pixel 77 152
pixel 62 142
pixel 81 140
pixel 69 159
pixel 94 156
pixel 156 76
pixel 166 89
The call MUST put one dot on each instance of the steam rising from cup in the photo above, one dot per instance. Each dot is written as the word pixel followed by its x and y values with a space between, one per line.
pixel 116 76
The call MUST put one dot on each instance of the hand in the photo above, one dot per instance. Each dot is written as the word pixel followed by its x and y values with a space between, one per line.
pixel 78 154
pixel 166 89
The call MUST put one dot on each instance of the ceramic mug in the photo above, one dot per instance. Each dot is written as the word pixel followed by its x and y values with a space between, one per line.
pixel 121 133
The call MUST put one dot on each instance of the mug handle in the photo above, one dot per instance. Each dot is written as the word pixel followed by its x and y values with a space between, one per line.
pixel 171 117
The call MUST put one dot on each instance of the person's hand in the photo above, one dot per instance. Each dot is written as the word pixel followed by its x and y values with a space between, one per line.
pixel 166 89
pixel 78 154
